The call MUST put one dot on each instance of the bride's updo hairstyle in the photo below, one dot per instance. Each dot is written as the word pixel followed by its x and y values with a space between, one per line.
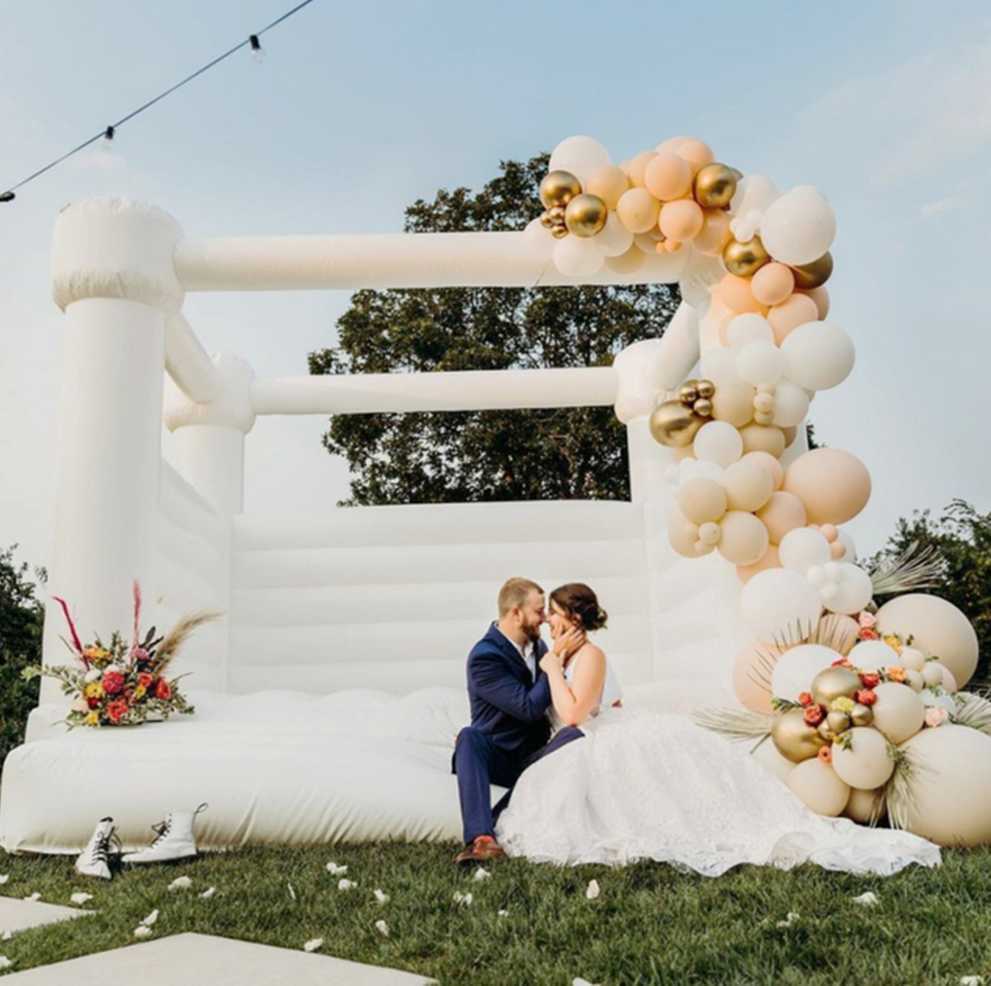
pixel 578 601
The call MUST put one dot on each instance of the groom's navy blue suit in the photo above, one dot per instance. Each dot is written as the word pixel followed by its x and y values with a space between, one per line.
pixel 509 728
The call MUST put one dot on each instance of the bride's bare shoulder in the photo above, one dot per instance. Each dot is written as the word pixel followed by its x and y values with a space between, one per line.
pixel 590 656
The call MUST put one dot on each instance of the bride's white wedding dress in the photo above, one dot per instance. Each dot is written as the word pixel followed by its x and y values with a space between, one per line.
pixel 657 786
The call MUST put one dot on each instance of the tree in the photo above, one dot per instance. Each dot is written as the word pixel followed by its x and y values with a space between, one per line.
pixel 962 536
pixel 21 620
pixel 440 457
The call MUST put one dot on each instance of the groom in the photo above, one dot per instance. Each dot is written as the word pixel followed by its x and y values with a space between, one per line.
pixel 509 697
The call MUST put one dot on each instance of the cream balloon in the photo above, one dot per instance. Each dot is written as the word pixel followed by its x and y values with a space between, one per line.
pixel 798 227
pixel 802 548
pixel 782 513
pixel 791 404
pixel 538 238
pixel 760 362
pixel 702 500
pixel 866 764
pixel 865 806
pixel 748 485
pixel 949 798
pixel 789 314
pixel 853 589
pixel 818 355
pixel 750 676
pixel 582 156
pixel 819 787
pixel 767 461
pixel 898 711
pixel 614 239
pixel 796 668
pixel 638 210
pixel 773 284
pixel 683 534
pixel 718 442
pixel 869 655
pixel 768 560
pixel 912 659
pixel 769 757
pixel 754 193
pixel 733 402
pixel 937 627
pixel 763 438
pixel 775 601
pixel 743 538
pixel 748 328
pixel 608 182
pixel 834 485
pixel 576 256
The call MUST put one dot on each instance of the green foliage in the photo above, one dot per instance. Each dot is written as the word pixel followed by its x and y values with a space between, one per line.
pixel 962 536
pixel 21 620
pixel 490 455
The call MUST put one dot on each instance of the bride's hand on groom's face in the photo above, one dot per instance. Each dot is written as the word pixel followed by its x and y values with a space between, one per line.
pixel 567 643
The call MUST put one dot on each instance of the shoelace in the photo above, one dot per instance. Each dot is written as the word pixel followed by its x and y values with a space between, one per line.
pixel 161 831
pixel 106 846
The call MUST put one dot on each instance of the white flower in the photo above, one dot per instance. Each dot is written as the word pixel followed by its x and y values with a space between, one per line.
pixel 334 870
pixel 971 980
pixel 7 935
pixel 150 919
pixel 181 883
pixel 346 884
pixel 380 897
pixel 4 878
pixel 504 914
pixel 789 920
pixel 592 890
pixel 481 874
pixel 382 928
pixel 80 897
pixel 578 981
pixel 94 674
pixel 208 893
pixel 142 931
pixel 35 896
pixel 463 899
pixel 868 899
pixel 5 963
pixel 312 945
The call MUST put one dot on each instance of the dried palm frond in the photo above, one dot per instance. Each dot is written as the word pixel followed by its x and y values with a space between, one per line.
pixel 735 724
pixel 898 794
pixel 915 568
pixel 974 710
pixel 175 638
pixel 828 631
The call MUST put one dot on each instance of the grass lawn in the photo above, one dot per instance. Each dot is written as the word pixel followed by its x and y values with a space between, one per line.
pixel 650 924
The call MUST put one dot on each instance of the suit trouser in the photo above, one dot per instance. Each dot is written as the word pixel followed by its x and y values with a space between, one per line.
pixel 478 762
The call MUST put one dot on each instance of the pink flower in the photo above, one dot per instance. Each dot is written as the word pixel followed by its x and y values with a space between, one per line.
pixel 139 654
pixel 867 620
pixel 113 682
pixel 867 633
pixel 936 716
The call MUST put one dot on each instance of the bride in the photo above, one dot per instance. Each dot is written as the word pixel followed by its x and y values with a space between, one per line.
pixel 658 786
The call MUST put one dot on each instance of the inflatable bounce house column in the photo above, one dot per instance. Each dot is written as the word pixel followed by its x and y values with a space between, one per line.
pixel 113 277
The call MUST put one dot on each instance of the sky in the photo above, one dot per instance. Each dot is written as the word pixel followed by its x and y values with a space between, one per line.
pixel 359 109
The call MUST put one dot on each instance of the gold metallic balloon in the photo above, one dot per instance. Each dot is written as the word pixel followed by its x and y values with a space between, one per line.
pixel 706 389
pixel 815 274
pixel 688 393
pixel 737 174
pixel 834 682
pixel 674 425
pixel 559 232
pixel 862 715
pixel 545 220
pixel 559 188
pixel 586 214
pixel 557 215
pixel 745 259
pixel 703 407
pixel 825 732
pixel 838 722
pixel 715 186
pixel 794 737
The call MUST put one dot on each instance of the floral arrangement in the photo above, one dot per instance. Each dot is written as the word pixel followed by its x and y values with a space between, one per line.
pixel 121 684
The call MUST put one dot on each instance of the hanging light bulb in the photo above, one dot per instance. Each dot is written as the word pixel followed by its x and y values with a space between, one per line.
pixel 257 51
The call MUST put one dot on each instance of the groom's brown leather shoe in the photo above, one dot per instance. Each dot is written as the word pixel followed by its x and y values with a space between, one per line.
pixel 482 849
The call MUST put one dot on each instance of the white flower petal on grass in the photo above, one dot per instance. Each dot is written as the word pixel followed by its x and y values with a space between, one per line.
pixel 380 897
pixel 208 893
pixel 334 870
pixel 971 981
pixel 481 874
pixel 868 899
pixel 142 931
pixel 463 899
pixel 5 963
pixel 4 878
pixel 150 919
pixel 7 935
pixel 181 883
pixel 346 884
pixel 592 890
pixel 578 981
pixel 504 914
pixel 790 919
pixel 382 928
pixel 80 897
pixel 292 892
pixel 312 945
pixel 35 896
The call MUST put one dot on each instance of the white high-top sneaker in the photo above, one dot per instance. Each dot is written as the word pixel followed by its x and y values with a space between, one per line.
pixel 103 844
pixel 173 839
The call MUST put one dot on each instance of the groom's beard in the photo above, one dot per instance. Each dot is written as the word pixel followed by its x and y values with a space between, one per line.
pixel 532 633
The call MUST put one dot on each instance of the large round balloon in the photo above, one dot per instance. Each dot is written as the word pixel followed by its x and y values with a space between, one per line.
pixel 898 711
pixel 701 500
pixel 775 602
pixel 819 786
pixel 818 355
pixel 748 483
pixel 749 673
pixel 949 797
pixel 869 655
pixel 768 560
pixel 582 156
pixel 866 764
pixel 865 806
pixel 769 757
pixel 743 538
pixel 718 442
pixel 781 514
pixel 939 629
pixel 845 588
pixel 803 548
pixel 798 227
pixel 577 256
pixel 797 666
pixel 834 485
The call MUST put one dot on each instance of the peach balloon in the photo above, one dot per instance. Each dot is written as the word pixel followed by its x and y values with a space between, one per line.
pixel 733 401
pixel 834 485
pixel 782 513
pixel 696 152
pixel 821 297
pixel 637 210
pixel 773 284
pixel 667 176
pixel 791 433
pixel 748 485
pixel 608 182
pixel 836 551
pixel 838 631
pixel 735 292
pixel 744 538
pixel 790 314
pixel 763 438
pixel 684 453
pixel 715 233
pixel 747 674
pixel 770 463
pixel 637 166
pixel 681 220
pixel 770 559
pixel 701 500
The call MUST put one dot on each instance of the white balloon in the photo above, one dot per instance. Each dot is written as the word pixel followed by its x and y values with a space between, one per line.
pixel 898 711
pixel 854 590
pixel 775 601
pixel 614 239
pixel 819 787
pixel 791 404
pixel 718 442
pixel 754 193
pixel 847 542
pixel 697 468
pixel 577 256
pixel 719 364
pixel 797 666
pixel 538 237
pixel 798 227
pixel 869 655
pixel 818 355
pixel 802 548
pixel 760 362
pixel 647 242
pixel 866 764
pixel 580 155
pixel 748 328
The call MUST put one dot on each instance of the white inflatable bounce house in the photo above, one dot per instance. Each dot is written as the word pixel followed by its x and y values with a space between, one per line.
pixel 329 695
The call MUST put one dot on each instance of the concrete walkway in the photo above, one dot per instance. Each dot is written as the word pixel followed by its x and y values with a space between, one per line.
pixel 18 915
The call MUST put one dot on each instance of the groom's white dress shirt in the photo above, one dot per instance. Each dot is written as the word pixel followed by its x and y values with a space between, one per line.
pixel 526 652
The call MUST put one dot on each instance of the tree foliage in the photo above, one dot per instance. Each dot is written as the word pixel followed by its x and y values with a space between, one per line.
pixel 440 457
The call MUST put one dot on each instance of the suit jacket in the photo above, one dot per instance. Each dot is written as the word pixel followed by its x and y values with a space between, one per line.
pixel 505 702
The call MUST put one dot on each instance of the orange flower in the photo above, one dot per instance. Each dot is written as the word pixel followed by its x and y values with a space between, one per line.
pixel 814 714
pixel 895 673
pixel 805 698
pixel 116 710
pixel 842 662
pixel 866 696
pixel 825 754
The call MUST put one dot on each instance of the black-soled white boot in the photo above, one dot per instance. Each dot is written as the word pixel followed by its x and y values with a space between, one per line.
pixel 173 839
pixel 102 850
